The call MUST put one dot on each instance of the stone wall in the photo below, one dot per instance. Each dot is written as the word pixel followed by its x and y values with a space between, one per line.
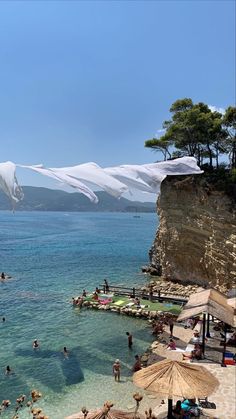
pixel 196 239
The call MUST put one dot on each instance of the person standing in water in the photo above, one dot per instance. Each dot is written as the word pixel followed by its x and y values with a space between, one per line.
pixel 106 286
pixel 116 370
pixel 130 339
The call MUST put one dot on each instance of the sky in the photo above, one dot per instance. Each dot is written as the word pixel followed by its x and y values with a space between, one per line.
pixel 89 81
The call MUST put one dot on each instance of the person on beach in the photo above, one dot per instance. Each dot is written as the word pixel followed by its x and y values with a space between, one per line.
pixel 158 328
pixel 171 345
pixel 79 302
pixel 150 292
pixel 177 411
pixel 8 370
pixel 137 301
pixel 196 337
pixel 130 339
pixel 35 344
pixel 190 408
pixel 196 353
pixel 95 296
pixel 106 286
pixel 137 365
pixel 116 370
pixel 171 325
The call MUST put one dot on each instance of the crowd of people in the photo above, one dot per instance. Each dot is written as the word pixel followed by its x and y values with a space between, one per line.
pixel 78 301
pixel 159 326
pixel 116 368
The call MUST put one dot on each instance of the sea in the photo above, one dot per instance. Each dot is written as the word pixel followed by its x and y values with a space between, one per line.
pixel 51 257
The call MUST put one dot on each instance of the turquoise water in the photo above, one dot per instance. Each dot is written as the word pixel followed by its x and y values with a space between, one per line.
pixel 52 257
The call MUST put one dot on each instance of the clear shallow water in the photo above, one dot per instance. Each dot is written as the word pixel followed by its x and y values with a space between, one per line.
pixel 52 257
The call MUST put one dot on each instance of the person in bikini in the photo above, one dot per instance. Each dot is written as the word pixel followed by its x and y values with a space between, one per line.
pixel 171 345
pixel 116 370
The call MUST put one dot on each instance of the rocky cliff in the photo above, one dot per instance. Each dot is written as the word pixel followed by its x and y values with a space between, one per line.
pixel 196 239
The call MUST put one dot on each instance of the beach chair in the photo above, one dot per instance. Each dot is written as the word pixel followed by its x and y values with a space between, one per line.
pixel 205 404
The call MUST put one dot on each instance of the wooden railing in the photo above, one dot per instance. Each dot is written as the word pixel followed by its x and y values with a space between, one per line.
pixel 160 296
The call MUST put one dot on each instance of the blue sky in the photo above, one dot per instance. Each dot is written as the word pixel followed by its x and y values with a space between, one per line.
pixel 91 81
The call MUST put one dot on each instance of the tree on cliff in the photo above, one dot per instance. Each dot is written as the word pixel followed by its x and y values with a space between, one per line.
pixel 229 122
pixel 196 130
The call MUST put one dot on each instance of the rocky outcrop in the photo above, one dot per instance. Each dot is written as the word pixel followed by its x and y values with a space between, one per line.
pixel 196 238
pixel 170 288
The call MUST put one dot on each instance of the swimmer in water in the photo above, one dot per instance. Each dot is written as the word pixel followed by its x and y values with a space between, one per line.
pixel 65 352
pixel 35 344
pixel 8 370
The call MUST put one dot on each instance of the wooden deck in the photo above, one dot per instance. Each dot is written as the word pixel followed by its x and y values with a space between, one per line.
pixel 161 296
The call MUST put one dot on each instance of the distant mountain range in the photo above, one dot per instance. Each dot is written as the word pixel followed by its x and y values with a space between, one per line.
pixel 44 199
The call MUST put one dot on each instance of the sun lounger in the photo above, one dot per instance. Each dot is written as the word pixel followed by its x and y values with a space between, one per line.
pixel 189 348
pixel 129 305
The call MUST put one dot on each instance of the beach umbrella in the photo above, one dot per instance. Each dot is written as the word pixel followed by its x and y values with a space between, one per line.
pixel 106 412
pixel 175 379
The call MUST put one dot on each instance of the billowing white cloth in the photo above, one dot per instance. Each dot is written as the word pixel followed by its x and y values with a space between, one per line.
pixel 95 175
pixel 64 178
pixel 137 177
pixel 114 180
pixel 8 182
pixel 148 177
pixel 181 166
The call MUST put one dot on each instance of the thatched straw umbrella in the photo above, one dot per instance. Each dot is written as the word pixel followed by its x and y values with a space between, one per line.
pixel 176 379
pixel 107 413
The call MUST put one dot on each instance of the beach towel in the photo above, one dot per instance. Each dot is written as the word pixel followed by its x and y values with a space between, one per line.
pixel 119 302
pixel 189 348
pixel 104 302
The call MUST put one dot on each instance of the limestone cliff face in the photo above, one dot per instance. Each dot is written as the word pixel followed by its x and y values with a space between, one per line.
pixel 196 239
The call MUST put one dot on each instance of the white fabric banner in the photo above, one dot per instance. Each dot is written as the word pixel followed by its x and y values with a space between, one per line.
pixel 96 176
pixel 8 182
pixel 114 180
pixel 64 178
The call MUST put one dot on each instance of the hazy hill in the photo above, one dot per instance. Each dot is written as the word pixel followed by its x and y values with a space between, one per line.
pixel 44 199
